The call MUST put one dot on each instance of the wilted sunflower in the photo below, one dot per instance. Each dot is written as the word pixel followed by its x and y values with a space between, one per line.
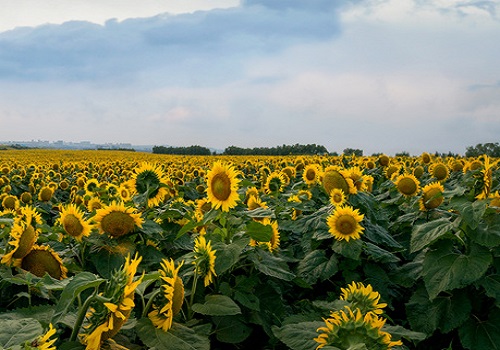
pixel 149 179
pixel 222 186
pixel 363 298
pixel 344 223
pixel 168 303
pixel 346 328
pixel 74 223
pixel 432 196
pixel 43 259
pixel 274 242
pixel 43 342
pixel 407 184
pixel 107 318
pixel 204 259
pixel 337 197
pixel 117 220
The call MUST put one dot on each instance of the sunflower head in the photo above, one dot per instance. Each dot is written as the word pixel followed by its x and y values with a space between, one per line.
pixel 432 196
pixel 117 220
pixel 407 185
pixel 45 194
pixel 426 158
pixel 274 242
pixel 344 224
pixel 41 260
pixel 418 171
pixel 363 297
pixel 337 197
pixel 275 183
pixel 333 178
pixel 150 180
pixel 384 160
pixel 439 171
pixel 73 222
pixel 222 186
pixel 204 259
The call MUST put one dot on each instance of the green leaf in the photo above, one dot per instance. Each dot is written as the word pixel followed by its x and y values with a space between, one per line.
pixel 16 332
pixel 316 265
pixel 217 305
pixel 444 312
pixel 351 249
pixel 248 300
pixel 299 336
pixel 426 234
pixel 227 256
pixel 471 213
pixel 231 329
pixel 75 287
pixel 42 313
pixel 477 334
pixel 399 332
pixel 271 265
pixel 491 285
pixel 487 232
pixel 71 345
pixel 178 337
pixel 259 232
pixel 379 235
pixel 445 269
pixel 378 254
pixel 106 262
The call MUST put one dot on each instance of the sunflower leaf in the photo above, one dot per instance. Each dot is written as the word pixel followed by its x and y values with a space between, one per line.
pixel 299 336
pixel 259 232
pixel 217 305
pixel 426 234
pixel 477 334
pixel 16 332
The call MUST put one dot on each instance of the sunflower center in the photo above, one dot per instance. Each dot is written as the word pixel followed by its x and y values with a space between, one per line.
pixel 334 179
pixel 310 174
pixel 40 261
pixel 407 186
pixel 433 198
pixel 72 225
pixel 337 197
pixel 117 223
pixel 46 194
pixel 346 224
pixel 9 202
pixel 221 186
pixel 440 172
pixel 26 242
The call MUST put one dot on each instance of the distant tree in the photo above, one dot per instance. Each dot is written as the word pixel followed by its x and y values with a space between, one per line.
pixel 490 149
pixel 353 151
pixel 191 150
pixel 282 150
pixel 402 154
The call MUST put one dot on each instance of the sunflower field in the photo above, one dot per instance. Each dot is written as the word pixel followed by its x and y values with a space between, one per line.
pixel 126 250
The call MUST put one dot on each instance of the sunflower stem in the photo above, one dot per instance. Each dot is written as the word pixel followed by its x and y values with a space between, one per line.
pixel 81 315
pixel 191 297
pixel 150 302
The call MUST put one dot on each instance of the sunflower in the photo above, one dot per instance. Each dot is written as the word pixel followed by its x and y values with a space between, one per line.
pixel 74 223
pixel 311 174
pixel 117 220
pixel 170 301
pixel 363 298
pixel 43 342
pixel 391 171
pixel 203 206
pixel 335 177
pixel 275 183
pixel 204 259
pixel 274 242
pixel 344 224
pixel 92 186
pixel 107 318
pixel 124 193
pixel 26 198
pixel 45 194
pixel 426 158
pixel 345 329
pixel 10 202
pixel 337 197
pixel 407 184
pixel 495 200
pixel 43 259
pixel 222 186
pixel 356 175
pixel 94 203
pixel 256 202
pixel 149 179
pixel 418 171
pixel 383 160
pixel 251 192
pixel 439 171
pixel 432 196
pixel 487 178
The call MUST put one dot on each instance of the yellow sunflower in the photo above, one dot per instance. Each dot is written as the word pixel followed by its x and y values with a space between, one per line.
pixel 149 179
pixel 10 202
pixel 274 242
pixel 169 303
pixel 439 171
pixel 311 174
pixel 275 182
pixel 117 220
pixel 357 177
pixel 337 197
pixel 486 177
pixel 407 184
pixel 222 186
pixel 363 298
pixel 204 259
pixel 335 177
pixel 432 196
pixel 43 342
pixel 107 318
pixel 74 223
pixel 344 224
pixel 45 194
pixel 346 329
pixel 43 259
pixel 255 202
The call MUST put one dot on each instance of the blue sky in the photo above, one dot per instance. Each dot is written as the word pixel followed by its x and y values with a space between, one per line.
pixel 379 75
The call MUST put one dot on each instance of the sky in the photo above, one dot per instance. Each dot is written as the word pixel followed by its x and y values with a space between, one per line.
pixel 382 76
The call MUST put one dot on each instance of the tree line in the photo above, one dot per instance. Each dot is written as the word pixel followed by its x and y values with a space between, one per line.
pixel 283 150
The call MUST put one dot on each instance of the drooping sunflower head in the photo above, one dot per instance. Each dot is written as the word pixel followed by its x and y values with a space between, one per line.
pixel 432 196
pixel 222 186
pixel 384 160
pixel 418 171
pixel 311 174
pixel 43 259
pixel 439 171
pixel 344 223
pixel 392 170
pixel 169 303
pixel 204 259
pixel 407 184
pixel 45 194
pixel 337 197
pixel 22 240
pixel 332 178
pixel 44 342
pixel 73 221
pixel 149 179
pixel 426 158
pixel 363 297
pixel 117 220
